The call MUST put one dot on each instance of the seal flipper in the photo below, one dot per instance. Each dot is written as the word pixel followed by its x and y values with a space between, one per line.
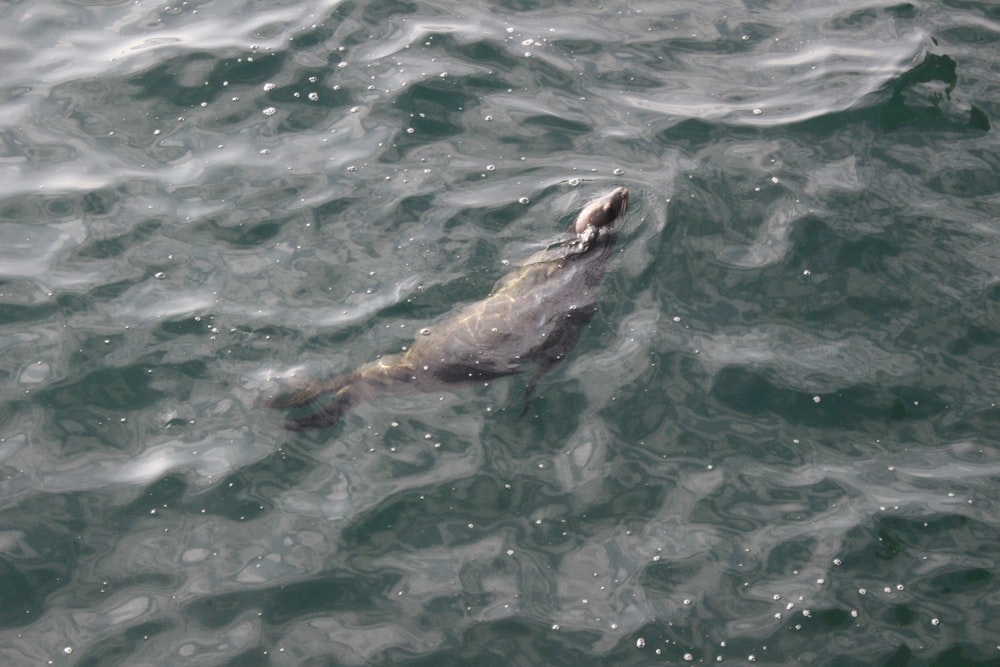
pixel 304 392
pixel 562 339
pixel 528 391
pixel 326 416
pixel 544 367
pixel 309 393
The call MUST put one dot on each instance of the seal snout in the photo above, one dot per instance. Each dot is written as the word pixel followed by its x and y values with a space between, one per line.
pixel 619 202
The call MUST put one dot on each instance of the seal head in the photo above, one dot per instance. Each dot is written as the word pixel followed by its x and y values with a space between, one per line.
pixel 599 214
pixel 602 211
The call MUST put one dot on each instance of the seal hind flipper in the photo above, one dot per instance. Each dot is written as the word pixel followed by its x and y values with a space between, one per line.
pixel 303 392
pixel 306 394
pixel 326 416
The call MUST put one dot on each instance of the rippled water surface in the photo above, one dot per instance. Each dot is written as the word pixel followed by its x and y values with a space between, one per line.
pixel 776 442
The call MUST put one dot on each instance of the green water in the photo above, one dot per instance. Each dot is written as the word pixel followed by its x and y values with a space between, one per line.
pixel 774 444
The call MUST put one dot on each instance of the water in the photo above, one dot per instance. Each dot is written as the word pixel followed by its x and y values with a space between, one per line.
pixel 774 443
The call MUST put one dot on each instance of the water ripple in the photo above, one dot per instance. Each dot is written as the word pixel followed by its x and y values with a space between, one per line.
pixel 774 442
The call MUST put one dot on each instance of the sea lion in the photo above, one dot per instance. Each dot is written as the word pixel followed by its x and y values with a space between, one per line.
pixel 535 313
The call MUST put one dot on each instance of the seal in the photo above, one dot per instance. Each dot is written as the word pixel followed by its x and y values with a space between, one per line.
pixel 534 314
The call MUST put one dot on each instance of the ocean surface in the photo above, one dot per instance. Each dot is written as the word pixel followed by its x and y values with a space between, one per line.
pixel 777 443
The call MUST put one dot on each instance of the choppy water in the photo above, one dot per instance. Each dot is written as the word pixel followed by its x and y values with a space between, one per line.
pixel 775 443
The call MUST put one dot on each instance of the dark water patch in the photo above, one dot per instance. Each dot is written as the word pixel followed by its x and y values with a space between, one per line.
pixel 36 153
pixel 264 481
pixel 239 234
pixel 579 47
pixel 24 586
pixel 379 12
pixel 329 212
pixel 433 108
pixel 961 580
pixel 690 134
pixel 555 126
pixel 966 182
pixel 101 203
pixel 728 38
pixel 869 17
pixel 278 605
pixel 188 80
pixel 188 326
pixel 508 641
pixel 623 78
pixel 670 577
pixel 121 244
pixel 41 560
pixel 971 32
pixel 43 208
pixel 525 6
pixel 166 491
pixel 120 389
pixel 308 102
pixel 869 255
pixel 120 648
pixel 22 301
pixel 795 554
pixel 526 433
pixel 633 497
pixel 110 291
pixel 238 498
pixel 418 520
pixel 315 36
pixel 487 54
pixel 964 654
pixel 87 407
pixel 862 407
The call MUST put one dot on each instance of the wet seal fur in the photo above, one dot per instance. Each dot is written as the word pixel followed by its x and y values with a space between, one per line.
pixel 535 313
